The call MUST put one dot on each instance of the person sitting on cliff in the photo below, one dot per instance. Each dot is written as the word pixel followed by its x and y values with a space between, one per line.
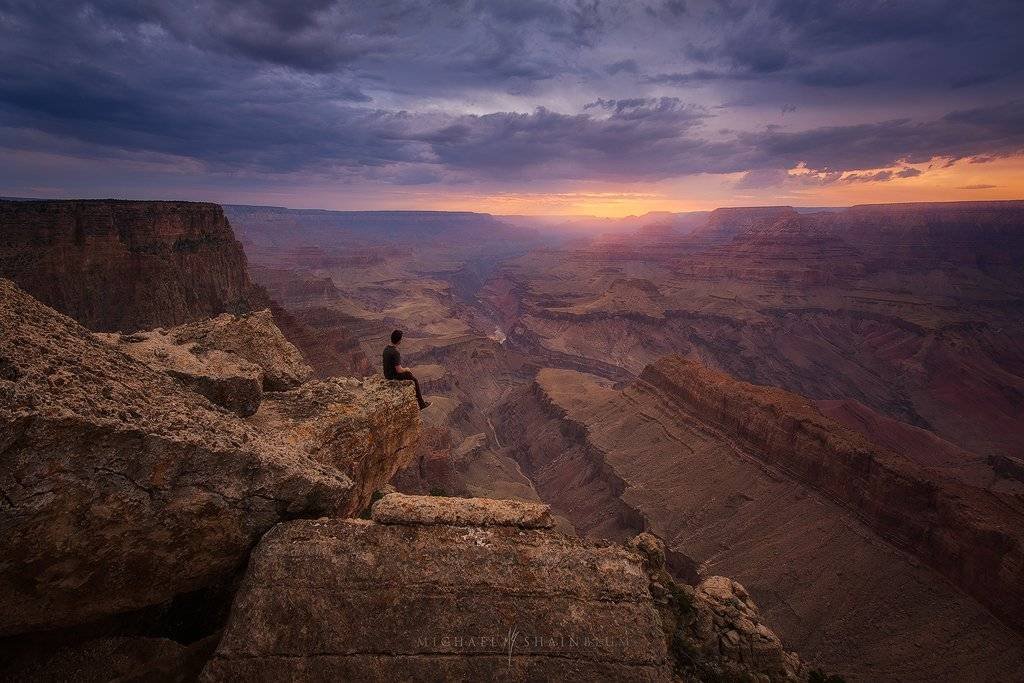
pixel 393 366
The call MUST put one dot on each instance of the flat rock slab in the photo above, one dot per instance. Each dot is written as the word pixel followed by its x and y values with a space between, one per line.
pixel 398 508
pixel 336 599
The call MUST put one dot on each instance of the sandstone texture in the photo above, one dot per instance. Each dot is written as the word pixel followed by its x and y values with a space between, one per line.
pixel 224 378
pixel 253 337
pixel 425 600
pixel 122 489
pixel 398 508
pixel 367 429
pixel 229 359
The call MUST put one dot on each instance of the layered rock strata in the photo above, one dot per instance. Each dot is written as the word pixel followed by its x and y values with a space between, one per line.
pixel 710 477
pixel 126 265
pixel 132 265
pixel 976 541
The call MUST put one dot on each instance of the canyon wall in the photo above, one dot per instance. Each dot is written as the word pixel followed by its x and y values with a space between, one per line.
pixel 713 478
pixel 130 265
pixel 912 310
pixel 114 265
pixel 974 540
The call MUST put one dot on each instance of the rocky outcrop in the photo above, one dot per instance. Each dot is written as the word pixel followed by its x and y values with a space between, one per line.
pixel 367 429
pixel 126 265
pixel 422 592
pixel 398 508
pixel 715 631
pixel 253 337
pixel 228 359
pixel 225 379
pixel 121 489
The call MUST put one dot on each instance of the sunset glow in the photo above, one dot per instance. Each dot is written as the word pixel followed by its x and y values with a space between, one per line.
pixel 609 108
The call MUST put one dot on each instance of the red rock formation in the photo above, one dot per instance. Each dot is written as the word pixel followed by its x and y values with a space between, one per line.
pixel 703 474
pixel 920 446
pixel 121 489
pixel 977 542
pixel 127 266
pixel 913 310
pixel 119 265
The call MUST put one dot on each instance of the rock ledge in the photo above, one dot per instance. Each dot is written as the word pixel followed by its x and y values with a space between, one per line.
pixel 398 508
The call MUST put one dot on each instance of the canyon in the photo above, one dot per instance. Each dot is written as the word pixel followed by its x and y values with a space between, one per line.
pixel 901 323
pixel 825 406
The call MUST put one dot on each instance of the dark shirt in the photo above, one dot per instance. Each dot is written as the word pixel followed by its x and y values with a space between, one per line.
pixel 392 359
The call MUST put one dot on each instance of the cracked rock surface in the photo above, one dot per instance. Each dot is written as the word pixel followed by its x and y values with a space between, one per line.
pixel 436 588
pixel 119 488
pixel 357 600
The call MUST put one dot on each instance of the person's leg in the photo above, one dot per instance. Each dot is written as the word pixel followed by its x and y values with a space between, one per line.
pixel 416 384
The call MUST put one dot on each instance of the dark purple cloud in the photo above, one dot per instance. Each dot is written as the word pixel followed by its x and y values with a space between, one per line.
pixel 411 92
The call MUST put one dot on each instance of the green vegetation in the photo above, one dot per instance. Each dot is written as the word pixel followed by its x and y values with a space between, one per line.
pixel 438 491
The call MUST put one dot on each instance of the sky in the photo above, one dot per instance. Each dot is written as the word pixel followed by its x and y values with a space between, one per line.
pixel 513 106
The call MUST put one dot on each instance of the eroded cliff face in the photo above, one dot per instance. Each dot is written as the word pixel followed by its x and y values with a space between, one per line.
pixel 126 265
pixel 754 483
pixel 975 540
pixel 122 488
pixel 912 310
pixel 134 265
pixel 480 589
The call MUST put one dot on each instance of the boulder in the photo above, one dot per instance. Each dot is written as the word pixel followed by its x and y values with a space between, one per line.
pixel 339 599
pixel 226 380
pixel 120 489
pixel 228 359
pixel 367 429
pixel 253 337
pixel 435 588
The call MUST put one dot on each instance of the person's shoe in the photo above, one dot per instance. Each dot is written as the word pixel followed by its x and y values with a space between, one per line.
pixel 426 404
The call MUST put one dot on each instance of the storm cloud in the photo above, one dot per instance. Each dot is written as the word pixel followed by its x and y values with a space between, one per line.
pixel 455 91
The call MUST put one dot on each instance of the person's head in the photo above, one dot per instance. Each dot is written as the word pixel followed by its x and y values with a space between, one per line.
pixel 396 337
